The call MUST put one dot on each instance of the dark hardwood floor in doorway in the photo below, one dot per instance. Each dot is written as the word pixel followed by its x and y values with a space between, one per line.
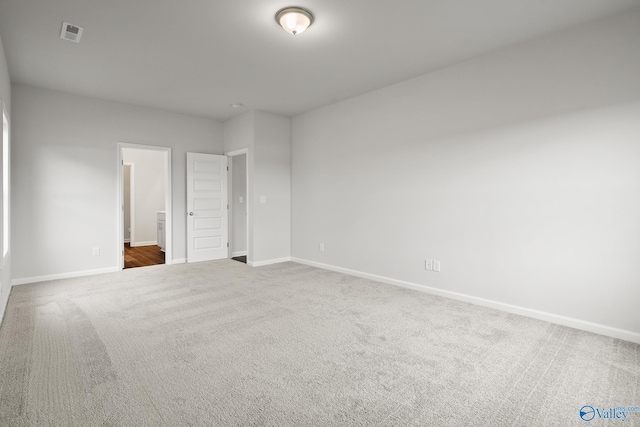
pixel 142 256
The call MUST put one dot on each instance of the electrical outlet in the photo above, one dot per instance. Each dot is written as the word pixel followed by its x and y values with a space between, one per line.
pixel 321 247
pixel 96 251
pixel 428 264
pixel 240 199
pixel 436 265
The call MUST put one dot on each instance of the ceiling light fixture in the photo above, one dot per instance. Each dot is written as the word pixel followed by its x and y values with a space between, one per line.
pixel 294 20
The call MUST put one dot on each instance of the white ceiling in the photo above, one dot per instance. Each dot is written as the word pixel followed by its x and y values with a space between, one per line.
pixel 199 56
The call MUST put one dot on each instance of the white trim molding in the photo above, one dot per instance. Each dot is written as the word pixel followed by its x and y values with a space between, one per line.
pixel 136 244
pixel 27 280
pixel 584 325
pixel 240 253
pixel 132 205
pixel 267 262
pixel 179 261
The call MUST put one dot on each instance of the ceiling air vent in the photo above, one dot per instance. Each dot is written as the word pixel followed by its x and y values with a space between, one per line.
pixel 71 32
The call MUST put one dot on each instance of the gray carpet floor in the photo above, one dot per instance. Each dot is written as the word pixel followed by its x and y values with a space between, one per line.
pixel 223 344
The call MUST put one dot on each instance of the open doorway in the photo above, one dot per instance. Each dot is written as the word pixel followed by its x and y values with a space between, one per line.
pixel 145 205
pixel 238 218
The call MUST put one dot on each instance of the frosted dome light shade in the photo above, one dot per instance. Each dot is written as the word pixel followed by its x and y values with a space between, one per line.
pixel 294 20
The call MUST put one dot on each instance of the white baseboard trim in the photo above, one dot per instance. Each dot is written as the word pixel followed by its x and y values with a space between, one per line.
pixel 240 253
pixel 136 244
pixel 267 262
pixel 127 240
pixel 179 261
pixel 584 325
pixel 26 280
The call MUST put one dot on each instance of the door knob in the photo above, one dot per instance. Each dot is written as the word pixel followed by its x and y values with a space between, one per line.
pixel 191 214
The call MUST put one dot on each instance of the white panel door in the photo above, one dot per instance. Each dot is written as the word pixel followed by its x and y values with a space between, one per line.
pixel 207 209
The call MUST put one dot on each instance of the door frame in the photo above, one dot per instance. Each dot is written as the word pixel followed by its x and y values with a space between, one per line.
pixel 132 215
pixel 231 154
pixel 167 201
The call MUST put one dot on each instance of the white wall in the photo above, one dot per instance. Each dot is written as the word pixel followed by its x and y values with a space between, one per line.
pixel 239 203
pixel 519 171
pixel 268 139
pixel 272 173
pixel 239 132
pixel 5 96
pixel 5 82
pixel 148 192
pixel 65 176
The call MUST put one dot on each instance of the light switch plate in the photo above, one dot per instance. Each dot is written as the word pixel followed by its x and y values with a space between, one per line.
pixel 263 199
